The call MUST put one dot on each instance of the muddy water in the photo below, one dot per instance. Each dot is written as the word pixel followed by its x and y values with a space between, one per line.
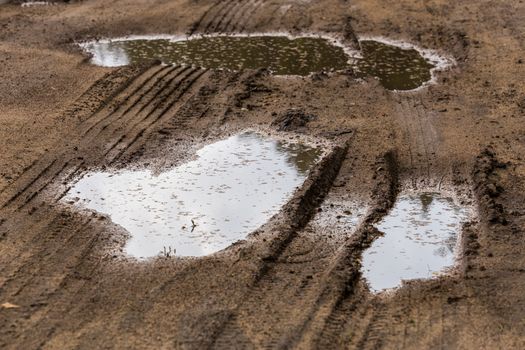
pixel 420 238
pixel 396 68
pixel 202 206
pixel 280 54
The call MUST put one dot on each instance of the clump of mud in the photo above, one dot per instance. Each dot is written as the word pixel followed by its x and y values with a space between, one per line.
pixel 293 120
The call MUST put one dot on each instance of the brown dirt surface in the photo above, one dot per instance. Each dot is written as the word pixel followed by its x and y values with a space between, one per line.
pixel 296 281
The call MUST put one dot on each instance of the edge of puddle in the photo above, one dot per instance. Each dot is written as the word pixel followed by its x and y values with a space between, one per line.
pixel 190 147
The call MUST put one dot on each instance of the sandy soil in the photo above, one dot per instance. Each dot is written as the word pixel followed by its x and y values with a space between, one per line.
pixel 289 284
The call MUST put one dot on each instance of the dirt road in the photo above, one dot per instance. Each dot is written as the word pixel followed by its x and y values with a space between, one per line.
pixel 295 282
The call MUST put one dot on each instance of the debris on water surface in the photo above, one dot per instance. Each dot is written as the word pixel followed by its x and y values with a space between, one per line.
pixel 396 67
pixel 280 54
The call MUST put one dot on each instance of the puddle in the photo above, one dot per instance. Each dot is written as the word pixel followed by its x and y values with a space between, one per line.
pixel 281 54
pixel 420 238
pixel 230 189
pixel 397 68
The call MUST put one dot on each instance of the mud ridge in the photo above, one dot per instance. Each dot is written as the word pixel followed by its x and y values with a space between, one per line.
pixel 285 225
pixel 343 275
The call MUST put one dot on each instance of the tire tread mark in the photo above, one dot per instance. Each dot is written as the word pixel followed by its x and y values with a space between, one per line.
pixel 221 12
pixel 119 90
pixel 54 252
pixel 228 12
pixel 161 114
pixel 126 99
pixel 250 14
pixel 73 173
pixel 163 100
pixel 42 187
pixel 27 186
pixel 241 10
pixel 198 23
pixel 47 183
pixel 170 69
pixel 161 90
pixel 166 85
pixel 26 169
pixel 103 104
pixel 166 95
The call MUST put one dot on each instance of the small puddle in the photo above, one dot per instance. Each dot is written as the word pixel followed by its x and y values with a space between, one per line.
pixel 202 206
pixel 396 66
pixel 280 54
pixel 421 234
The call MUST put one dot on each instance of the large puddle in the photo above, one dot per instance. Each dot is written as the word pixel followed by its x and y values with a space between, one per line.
pixel 202 206
pixel 396 67
pixel 420 236
pixel 280 54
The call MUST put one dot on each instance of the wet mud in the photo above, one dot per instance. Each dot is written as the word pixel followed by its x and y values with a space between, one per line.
pixel 297 277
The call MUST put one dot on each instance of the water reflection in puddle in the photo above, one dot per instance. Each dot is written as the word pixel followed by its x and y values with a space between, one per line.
pixel 420 238
pixel 202 206
pixel 280 54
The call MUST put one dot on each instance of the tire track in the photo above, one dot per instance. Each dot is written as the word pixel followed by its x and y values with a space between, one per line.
pixel 341 282
pixel 145 100
pixel 43 321
pixel 267 288
pixel 147 80
pixel 159 96
pixel 227 16
pixel 142 126
pixel 40 264
pixel 48 162
pixel 419 140
pixel 247 18
pixel 198 23
pixel 228 4
pixel 229 26
pixel 231 9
